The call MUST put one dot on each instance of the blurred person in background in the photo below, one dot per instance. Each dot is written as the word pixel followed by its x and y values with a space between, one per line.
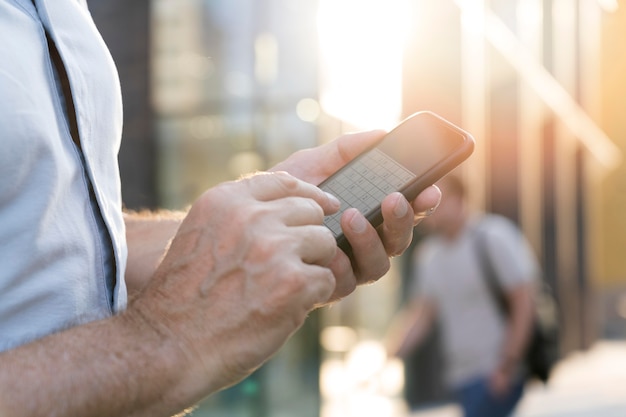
pixel 214 292
pixel 483 349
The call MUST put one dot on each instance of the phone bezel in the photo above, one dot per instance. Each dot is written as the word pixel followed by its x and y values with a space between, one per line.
pixel 416 185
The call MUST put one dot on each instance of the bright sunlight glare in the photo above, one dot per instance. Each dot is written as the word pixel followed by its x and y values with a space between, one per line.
pixel 572 115
pixel 361 48
pixel 364 383
pixel 609 6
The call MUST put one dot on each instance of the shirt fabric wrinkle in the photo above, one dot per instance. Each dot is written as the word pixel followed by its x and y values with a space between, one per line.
pixel 62 236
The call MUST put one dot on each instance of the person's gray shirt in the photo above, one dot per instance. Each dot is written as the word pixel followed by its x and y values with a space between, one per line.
pixel 449 273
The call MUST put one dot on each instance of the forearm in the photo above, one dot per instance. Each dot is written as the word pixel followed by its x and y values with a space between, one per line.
pixel 409 329
pixel 148 235
pixel 519 326
pixel 115 367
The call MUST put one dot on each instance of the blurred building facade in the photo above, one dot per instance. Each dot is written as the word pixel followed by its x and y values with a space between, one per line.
pixel 526 78
pixel 214 89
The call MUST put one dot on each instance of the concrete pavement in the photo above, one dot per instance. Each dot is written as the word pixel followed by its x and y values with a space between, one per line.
pixel 584 384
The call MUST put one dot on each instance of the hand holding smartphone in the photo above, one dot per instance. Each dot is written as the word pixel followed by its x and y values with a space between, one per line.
pixel 414 155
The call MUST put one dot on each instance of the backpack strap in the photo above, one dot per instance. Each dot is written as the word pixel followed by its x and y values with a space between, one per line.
pixel 488 270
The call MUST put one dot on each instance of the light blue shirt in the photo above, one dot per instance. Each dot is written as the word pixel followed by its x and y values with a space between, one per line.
pixel 62 246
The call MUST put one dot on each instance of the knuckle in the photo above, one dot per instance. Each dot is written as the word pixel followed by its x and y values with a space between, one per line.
pixel 292 282
pixel 265 247
pixel 329 239
pixel 315 211
pixel 214 199
pixel 225 188
pixel 287 181
pixel 253 214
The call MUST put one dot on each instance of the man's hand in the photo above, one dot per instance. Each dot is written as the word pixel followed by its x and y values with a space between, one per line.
pixel 248 264
pixel 501 380
pixel 371 248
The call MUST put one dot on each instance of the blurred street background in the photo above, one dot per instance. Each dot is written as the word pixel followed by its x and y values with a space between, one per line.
pixel 585 384
pixel 214 89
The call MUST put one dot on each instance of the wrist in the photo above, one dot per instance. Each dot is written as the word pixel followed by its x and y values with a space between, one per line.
pixel 168 366
pixel 509 362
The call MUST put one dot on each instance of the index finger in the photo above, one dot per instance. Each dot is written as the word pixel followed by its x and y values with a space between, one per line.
pixel 269 186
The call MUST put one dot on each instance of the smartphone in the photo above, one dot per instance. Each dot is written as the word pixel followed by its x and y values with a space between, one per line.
pixel 411 157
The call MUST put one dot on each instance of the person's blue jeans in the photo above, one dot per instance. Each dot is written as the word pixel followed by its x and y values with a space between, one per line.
pixel 476 399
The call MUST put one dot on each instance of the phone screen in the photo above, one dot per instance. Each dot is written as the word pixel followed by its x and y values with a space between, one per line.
pixel 414 155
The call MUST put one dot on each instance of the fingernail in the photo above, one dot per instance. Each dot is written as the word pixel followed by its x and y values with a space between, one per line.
pixel 358 223
pixel 401 208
